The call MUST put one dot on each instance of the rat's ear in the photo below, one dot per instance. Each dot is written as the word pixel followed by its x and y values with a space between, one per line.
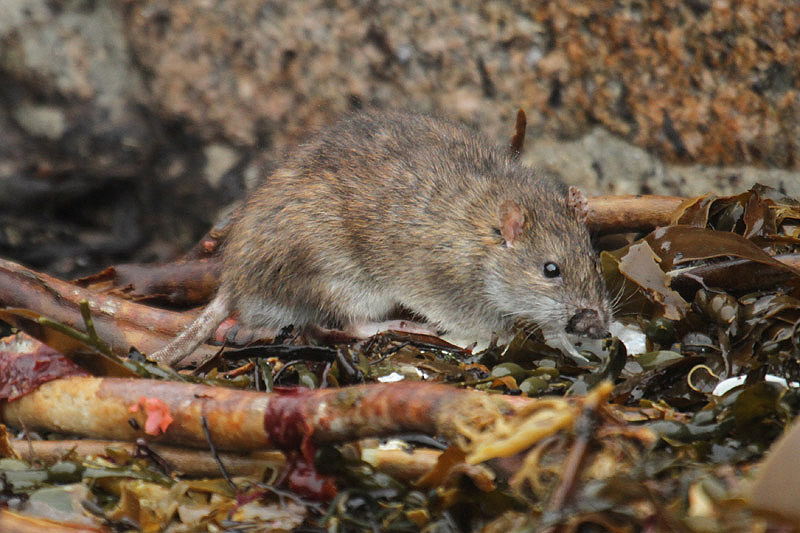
pixel 576 201
pixel 511 221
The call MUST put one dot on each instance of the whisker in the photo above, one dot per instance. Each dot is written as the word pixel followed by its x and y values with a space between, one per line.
pixel 618 296
pixel 619 292
pixel 528 335
pixel 619 302
pixel 529 331
pixel 626 315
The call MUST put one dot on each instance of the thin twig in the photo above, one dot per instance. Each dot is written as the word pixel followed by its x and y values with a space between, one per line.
pixel 517 140
pixel 213 449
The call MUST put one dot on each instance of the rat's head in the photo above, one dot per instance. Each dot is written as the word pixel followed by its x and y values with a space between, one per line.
pixel 542 268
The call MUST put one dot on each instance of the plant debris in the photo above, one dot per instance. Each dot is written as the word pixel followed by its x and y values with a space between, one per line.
pixel 666 429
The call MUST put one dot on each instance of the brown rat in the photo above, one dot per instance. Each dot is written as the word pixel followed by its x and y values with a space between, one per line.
pixel 400 209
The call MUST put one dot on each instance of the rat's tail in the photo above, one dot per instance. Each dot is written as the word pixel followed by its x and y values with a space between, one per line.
pixel 194 334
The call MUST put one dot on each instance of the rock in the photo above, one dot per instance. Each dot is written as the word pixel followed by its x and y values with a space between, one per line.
pixel 605 164
pixel 69 84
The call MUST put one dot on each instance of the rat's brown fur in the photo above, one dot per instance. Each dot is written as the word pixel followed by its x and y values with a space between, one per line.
pixel 396 209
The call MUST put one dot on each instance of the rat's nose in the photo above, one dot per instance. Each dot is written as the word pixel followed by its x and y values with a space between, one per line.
pixel 586 322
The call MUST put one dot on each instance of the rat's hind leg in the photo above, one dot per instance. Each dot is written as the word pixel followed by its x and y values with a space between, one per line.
pixel 195 333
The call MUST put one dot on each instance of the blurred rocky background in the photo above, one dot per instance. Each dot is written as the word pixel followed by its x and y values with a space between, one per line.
pixel 127 127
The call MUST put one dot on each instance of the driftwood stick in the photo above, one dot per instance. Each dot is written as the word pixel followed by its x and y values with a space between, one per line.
pixel 180 283
pixel 106 408
pixel 619 214
pixel 408 465
pixel 193 463
pixel 119 322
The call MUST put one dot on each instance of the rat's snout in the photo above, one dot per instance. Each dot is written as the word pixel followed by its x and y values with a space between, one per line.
pixel 587 323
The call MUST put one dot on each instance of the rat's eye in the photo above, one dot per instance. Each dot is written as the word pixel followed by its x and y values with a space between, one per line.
pixel 551 270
